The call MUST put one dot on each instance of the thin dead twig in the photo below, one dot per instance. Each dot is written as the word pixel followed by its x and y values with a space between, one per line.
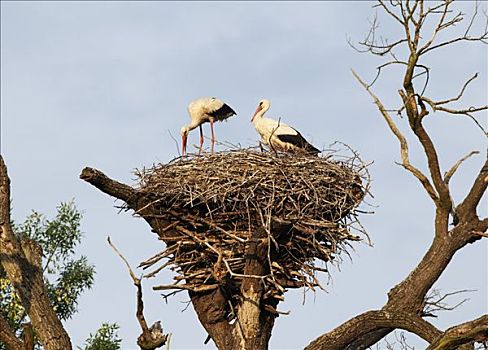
pixel 403 143
pixel 153 337
pixel 454 168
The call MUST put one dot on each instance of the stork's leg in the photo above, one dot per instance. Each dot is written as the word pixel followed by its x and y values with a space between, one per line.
pixel 273 149
pixel 201 140
pixel 261 146
pixel 213 136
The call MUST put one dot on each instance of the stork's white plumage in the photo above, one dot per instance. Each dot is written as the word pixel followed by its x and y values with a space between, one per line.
pixel 278 135
pixel 203 110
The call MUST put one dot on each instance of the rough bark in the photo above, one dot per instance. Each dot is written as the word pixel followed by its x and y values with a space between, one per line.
pixel 373 321
pixel 21 261
pixel 254 324
pixel 466 333
pixel 8 337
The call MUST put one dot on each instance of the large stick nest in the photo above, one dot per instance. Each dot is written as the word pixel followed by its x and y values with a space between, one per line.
pixel 301 206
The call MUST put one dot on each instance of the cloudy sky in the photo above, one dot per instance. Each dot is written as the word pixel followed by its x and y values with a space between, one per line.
pixel 106 84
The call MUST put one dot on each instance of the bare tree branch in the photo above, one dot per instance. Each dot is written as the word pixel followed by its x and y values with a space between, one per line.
pixel 438 105
pixel 151 338
pixel 461 93
pixel 468 207
pixel 371 44
pixel 462 111
pixel 448 174
pixel 396 61
pixel 467 112
pixel 415 119
pixel 483 37
pixel 442 25
pixel 391 13
pixel 436 302
pixel 403 143
pixel 472 331
pixel 107 185
pixel 370 321
pixel 400 340
pixel 407 297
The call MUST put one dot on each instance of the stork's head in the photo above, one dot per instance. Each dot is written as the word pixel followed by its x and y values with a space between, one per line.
pixel 263 106
pixel 184 137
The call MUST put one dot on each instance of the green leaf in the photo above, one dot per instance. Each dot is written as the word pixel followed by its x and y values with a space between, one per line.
pixel 106 338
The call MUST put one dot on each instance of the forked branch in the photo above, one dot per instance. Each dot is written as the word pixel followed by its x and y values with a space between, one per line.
pixel 482 37
pixel 403 143
pixel 454 168
pixel 153 337
pixel 435 302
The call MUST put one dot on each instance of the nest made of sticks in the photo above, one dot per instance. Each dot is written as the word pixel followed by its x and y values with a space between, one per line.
pixel 301 206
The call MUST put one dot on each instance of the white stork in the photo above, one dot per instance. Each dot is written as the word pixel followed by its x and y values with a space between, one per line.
pixel 278 135
pixel 202 110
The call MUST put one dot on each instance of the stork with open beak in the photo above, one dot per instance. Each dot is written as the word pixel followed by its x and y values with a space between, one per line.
pixel 203 110
pixel 278 135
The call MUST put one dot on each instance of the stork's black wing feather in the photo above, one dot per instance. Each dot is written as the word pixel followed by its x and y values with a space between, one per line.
pixel 223 112
pixel 299 141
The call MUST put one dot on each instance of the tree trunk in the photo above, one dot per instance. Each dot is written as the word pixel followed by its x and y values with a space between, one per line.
pixel 22 263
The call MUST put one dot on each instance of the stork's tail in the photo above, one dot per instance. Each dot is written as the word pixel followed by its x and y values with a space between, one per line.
pixel 310 149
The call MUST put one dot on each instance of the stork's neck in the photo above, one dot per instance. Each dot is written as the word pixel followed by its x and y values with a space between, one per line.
pixel 259 115
pixel 194 123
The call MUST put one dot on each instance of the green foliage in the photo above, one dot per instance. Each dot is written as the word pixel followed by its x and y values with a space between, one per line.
pixel 10 306
pixel 106 338
pixel 76 276
pixel 66 278
pixel 57 238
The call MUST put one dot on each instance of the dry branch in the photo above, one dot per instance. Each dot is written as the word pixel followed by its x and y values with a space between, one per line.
pixel 403 143
pixel 153 337
pixel 435 302
pixel 468 206
pixel 454 168
pixel 469 332
pixel 371 321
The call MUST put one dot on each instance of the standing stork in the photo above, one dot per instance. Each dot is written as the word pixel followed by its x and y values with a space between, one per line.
pixel 278 135
pixel 203 110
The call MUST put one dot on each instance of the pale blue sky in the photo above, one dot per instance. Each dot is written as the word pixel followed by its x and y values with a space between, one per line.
pixel 103 84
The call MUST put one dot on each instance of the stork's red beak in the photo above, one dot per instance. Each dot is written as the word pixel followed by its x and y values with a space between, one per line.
pixel 183 139
pixel 257 111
